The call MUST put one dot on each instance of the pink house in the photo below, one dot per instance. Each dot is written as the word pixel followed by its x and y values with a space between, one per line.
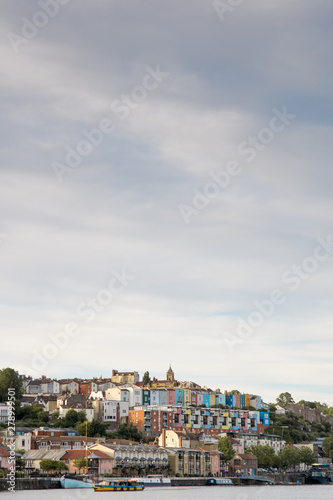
pixel 171 397
pixel 5 460
pixel 96 458
pixel 215 463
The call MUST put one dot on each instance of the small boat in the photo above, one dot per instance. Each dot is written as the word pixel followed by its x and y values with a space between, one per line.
pixel 220 481
pixel 119 485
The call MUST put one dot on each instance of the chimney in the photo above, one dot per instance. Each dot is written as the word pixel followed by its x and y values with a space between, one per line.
pixel 180 442
pixel 163 438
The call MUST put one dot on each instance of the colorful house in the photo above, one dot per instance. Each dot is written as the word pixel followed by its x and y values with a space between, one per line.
pixel 171 397
pixel 179 396
pixel 206 399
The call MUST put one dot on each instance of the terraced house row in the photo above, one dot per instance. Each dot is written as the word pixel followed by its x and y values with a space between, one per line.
pixel 190 397
pixel 157 392
pixel 151 420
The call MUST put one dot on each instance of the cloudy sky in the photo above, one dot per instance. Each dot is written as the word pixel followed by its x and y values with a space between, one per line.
pixel 166 180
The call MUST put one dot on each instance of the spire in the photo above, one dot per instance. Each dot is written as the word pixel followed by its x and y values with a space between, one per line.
pixel 170 374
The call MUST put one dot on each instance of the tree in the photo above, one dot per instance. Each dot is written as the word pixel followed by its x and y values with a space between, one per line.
pixel 129 431
pixel 225 447
pixel 146 378
pixel 306 455
pixel 328 446
pixel 9 379
pixel 48 465
pixel 285 399
pixel 95 428
pixel 80 463
pixel 81 416
pixel 264 453
pixel 71 418
pixel 33 415
pixel 290 456
pixel 61 466
pixel 234 391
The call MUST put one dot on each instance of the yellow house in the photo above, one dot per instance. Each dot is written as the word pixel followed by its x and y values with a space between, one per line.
pixel 212 399
pixel 187 397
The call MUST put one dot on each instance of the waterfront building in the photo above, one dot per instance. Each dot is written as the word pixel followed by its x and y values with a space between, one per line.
pixel 244 464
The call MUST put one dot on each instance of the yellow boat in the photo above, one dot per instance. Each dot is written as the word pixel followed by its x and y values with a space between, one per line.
pixel 119 485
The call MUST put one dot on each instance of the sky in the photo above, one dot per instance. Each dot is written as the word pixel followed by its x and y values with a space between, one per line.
pixel 165 185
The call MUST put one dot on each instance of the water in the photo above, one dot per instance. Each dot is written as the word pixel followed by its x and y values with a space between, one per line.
pixel 309 492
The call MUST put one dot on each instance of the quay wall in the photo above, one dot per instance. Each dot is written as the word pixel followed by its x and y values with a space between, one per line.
pixel 37 483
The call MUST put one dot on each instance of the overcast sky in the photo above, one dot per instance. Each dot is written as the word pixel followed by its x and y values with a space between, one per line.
pixel 127 242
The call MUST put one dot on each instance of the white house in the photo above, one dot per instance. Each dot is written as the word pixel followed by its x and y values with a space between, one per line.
pixel 69 385
pixel 49 386
pixel 114 411
pixel 64 409
pixel 34 387
pixel 117 394
pixel 135 395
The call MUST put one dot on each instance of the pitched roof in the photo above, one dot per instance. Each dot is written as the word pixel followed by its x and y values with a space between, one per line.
pixel 44 454
pixel 120 441
pixel 74 454
pixel 4 450
pixel 58 439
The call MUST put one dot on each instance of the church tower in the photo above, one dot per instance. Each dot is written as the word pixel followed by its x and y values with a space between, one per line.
pixel 170 375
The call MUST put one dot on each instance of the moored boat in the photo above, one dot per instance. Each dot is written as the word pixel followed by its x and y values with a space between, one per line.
pixel 318 474
pixel 119 485
pixel 69 482
pixel 154 480
pixel 220 481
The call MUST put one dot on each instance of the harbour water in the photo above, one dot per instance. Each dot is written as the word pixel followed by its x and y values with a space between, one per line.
pixel 310 492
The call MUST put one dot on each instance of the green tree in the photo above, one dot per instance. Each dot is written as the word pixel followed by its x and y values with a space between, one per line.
pixel 306 455
pixel 146 378
pixel 81 416
pixel 19 463
pixel 9 379
pixel 95 428
pixel 235 391
pixel 328 446
pixel 80 463
pixel 61 466
pixel 71 418
pixel 290 457
pixel 129 431
pixel 48 465
pixel 264 453
pixel 33 415
pixel 284 399
pixel 225 447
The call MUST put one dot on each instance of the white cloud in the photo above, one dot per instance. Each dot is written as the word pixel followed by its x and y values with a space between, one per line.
pixel 120 206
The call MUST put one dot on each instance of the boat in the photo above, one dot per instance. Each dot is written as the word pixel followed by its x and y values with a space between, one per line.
pixel 119 485
pixel 70 482
pixel 220 481
pixel 318 474
pixel 154 480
